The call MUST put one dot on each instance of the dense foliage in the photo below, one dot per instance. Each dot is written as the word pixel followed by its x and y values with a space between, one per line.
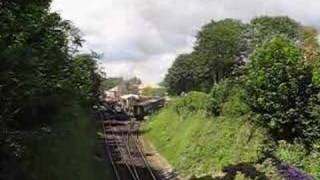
pixel 218 48
pixel 192 102
pixel 223 45
pixel 280 91
pixel 198 144
pixel 227 98
pixel 40 70
pixel 181 76
pixel 267 72
pixel 265 28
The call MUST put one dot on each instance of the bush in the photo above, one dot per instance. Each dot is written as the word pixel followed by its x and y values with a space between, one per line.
pixel 66 150
pixel 235 105
pixel 280 92
pixel 192 102
pixel 194 143
pixel 219 94
pixel 296 155
pixel 226 98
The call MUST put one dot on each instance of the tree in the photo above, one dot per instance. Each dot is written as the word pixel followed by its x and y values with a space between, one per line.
pixel 35 53
pixel 39 70
pixel 219 47
pixel 84 76
pixel 280 92
pixel 265 28
pixel 180 77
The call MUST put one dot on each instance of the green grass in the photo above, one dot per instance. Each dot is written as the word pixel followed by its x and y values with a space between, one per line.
pixel 68 153
pixel 195 143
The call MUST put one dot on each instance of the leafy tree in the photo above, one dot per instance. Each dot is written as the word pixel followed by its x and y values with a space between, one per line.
pixel 180 77
pixel 280 92
pixel 219 47
pixel 39 70
pixel 84 76
pixel 35 53
pixel 265 28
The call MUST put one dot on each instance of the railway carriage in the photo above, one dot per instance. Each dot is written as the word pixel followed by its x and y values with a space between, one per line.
pixel 147 107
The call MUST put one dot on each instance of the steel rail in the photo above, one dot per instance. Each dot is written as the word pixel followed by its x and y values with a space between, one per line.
pixel 138 146
pixel 115 170
pixel 110 156
pixel 133 175
pixel 128 150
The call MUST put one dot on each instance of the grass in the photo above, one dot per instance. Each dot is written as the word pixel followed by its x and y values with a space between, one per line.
pixel 68 152
pixel 195 143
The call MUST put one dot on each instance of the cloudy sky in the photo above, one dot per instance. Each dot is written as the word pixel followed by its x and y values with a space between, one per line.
pixel 142 37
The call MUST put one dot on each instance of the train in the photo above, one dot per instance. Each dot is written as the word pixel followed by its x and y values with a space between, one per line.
pixel 144 108
pixel 140 106
pixel 132 105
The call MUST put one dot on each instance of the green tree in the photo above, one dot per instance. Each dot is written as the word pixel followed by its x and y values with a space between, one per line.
pixel 280 91
pixel 36 47
pixel 265 28
pixel 180 77
pixel 84 76
pixel 220 45
pixel 39 70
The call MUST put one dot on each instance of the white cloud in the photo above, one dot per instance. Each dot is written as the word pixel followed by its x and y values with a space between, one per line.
pixel 142 37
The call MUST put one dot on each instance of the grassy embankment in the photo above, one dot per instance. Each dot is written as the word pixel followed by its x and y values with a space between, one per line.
pixel 196 143
pixel 68 152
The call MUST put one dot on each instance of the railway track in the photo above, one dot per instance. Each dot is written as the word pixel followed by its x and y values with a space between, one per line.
pixel 125 151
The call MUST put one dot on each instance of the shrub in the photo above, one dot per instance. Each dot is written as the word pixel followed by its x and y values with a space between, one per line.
pixel 219 94
pixel 280 92
pixel 227 98
pixel 194 143
pixel 296 155
pixel 235 105
pixel 192 102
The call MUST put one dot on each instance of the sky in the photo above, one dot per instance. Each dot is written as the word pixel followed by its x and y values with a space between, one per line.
pixel 142 37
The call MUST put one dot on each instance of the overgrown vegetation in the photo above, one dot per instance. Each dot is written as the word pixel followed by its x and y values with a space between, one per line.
pixel 264 78
pixel 223 45
pixel 280 92
pixel 196 143
pixel 41 71
pixel 67 150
